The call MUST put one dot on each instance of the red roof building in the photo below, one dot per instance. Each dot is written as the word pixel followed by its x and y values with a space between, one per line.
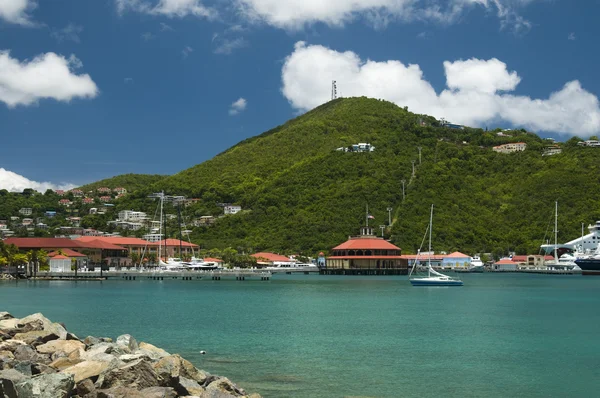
pixel 265 258
pixel 66 252
pixel 366 254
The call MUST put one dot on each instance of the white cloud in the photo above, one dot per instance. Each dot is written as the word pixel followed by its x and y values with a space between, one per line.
pixel 46 76
pixel 14 182
pixel 15 11
pixel 170 8
pixel 295 14
pixel 187 50
pixel 238 106
pixel 476 93
pixel 571 36
pixel 227 46
pixel 70 32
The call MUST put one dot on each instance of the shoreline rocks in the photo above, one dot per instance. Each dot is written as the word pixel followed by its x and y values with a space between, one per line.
pixel 41 359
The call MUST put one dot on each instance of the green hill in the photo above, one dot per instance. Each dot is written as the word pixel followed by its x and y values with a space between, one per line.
pixel 131 182
pixel 301 195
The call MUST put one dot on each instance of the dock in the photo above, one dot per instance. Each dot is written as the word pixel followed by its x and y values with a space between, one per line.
pixel 216 275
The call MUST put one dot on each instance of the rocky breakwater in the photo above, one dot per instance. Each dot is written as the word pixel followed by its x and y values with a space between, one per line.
pixel 41 359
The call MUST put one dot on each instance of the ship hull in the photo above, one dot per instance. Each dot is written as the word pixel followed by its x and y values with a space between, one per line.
pixel 589 266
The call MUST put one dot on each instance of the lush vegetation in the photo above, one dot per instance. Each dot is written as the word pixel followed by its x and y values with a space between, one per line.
pixel 300 195
pixel 131 182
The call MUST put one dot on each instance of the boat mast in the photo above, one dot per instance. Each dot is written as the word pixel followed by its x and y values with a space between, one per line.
pixel 160 226
pixel 556 233
pixel 430 228
pixel 179 221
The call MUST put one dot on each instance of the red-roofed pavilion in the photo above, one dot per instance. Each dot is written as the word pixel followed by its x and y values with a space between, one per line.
pixel 366 254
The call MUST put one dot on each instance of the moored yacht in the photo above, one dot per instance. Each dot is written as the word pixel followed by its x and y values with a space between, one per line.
pixel 476 264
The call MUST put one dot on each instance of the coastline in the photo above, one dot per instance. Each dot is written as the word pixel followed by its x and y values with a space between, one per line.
pixel 40 358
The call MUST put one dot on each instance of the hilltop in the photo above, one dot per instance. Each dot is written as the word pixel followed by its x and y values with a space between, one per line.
pixel 301 195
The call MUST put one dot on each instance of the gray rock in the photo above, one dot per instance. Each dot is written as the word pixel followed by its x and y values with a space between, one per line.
pixel 119 392
pixel 91 340
pixel 133 357
pixel 8 379
pixel 26 353
pixel 187 386
pixel 23 367
pixel 71 336
pixel 5 315
pixel 4 336
pixel 53 385
pixel 56 328
pixel 38 368
pixel 128 341
pixel 85 388
pixel 11 345
pixel 6 356
pixel 138 374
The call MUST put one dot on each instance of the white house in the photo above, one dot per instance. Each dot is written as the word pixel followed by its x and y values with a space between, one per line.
pixel 231 209
pixel 60 263
pixel 26 211
pixel 511 147
pixel 133 216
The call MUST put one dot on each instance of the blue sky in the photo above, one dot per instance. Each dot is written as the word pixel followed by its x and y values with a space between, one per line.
pixel 93 89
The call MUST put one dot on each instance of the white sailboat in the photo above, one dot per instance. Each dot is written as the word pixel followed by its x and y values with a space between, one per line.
pixel 433 277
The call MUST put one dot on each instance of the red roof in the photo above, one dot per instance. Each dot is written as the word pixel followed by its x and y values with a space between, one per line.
pixel 175 243
pixel 60 257
pixel 212 260
pixel 366 257
pixel 422 257
pixel 457 255
pixel 522 258
pixel 117 240
pixel 270 257
pixel 68 252
pixel 42 243
pixel 504 261
pixel 366 243
pixel 99 244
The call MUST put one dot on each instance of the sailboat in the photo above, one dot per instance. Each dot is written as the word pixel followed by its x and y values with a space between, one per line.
pixel 433 277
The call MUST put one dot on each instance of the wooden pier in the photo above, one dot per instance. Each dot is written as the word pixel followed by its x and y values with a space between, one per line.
pixel 365 271
pixel 217 275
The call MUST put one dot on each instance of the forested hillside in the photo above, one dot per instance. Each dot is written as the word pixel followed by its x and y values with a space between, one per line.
pixel 131 182
pixel 300 195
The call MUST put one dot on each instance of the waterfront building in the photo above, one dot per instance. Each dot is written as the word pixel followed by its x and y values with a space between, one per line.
pixel 366 253
pixel 505 264
pixel 60 263
pixel 266 259
pixel 456 260
pixel 173 245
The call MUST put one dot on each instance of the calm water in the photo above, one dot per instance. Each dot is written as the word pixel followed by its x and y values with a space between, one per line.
pixel 316 336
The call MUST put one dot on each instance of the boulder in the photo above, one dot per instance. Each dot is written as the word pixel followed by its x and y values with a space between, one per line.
pixel 138 374
pixel 57 328
pixel 5 315
pixel 9 324
pixel 4 335
pixel 11 345
pixel 133 357
pixel 26 353
pixel 6 356
pixel 86 370
pixel 187 386
pixel 128 341
pixel 174 366
pixel 158 392
pixel 91 340
pixel 52 385
pixel 119 392
pixel 23 367
pixel 224 385
pixel 64 363
pixel 85 387
pixel 36 336
pixel 38 368
pixel 8 379
pixel 60 347
pixel 153 352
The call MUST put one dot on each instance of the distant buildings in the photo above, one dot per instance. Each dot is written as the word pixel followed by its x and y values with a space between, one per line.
pixel 592 143
pixel 232 209
pixel 26 211
pixel 360 147
pixel 510 147
pixel 552 150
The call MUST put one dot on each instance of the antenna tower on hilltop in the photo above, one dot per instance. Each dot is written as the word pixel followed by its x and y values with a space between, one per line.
pixel 333 90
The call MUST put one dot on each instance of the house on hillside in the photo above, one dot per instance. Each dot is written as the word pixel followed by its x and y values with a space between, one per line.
pixel 232 209
pixel 510 148
pixel 26 211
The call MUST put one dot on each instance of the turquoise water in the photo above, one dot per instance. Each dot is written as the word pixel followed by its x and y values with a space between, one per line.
pixel 318 336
